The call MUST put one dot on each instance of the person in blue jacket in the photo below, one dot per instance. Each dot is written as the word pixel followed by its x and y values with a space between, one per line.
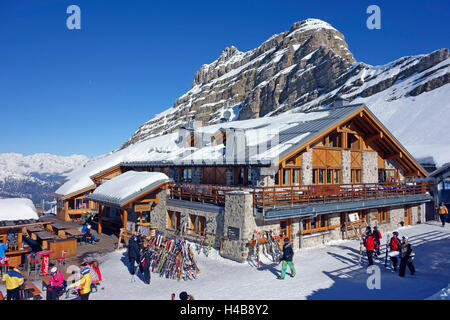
pixel 3 248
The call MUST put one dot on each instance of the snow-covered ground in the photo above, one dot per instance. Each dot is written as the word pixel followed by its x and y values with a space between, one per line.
pixel 326 272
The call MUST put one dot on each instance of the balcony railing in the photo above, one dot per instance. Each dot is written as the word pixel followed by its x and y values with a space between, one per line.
pixel 282 196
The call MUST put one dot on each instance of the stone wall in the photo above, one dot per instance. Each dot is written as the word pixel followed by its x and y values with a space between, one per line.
pixel 346 164
pixel 307 171
pixel 369 172
pixel 238 214
pixel 158 215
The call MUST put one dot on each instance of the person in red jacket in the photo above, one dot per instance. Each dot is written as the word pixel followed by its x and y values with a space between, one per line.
pixel 394 246
pixel 369 242
pixel 377 238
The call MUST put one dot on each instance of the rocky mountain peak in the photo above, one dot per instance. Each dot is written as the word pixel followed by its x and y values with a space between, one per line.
pixel 306 67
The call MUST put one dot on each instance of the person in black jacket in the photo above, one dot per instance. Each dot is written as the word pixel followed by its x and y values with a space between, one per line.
pixel 145 264
pixel 133 253
pixel 286 259
pixel 406 258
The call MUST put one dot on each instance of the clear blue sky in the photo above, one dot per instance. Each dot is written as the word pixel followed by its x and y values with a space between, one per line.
pixel 86 91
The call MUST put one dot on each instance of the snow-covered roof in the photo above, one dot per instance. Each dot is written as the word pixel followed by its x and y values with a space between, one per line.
pixel 17 209
pixel 128 186
pixel 260 141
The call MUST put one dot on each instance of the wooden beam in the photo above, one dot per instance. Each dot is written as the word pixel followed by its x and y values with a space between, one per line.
pixel 394 156
pixel 125 219
pixel 373 137
pixel 100 215
pixel 346 130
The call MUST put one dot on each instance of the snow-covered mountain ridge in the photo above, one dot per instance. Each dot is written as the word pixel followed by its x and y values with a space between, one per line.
pixel 35 175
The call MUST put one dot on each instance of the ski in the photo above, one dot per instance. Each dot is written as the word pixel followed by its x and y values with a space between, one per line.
pixel 387 250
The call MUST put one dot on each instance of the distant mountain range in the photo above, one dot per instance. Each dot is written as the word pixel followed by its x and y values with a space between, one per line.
pixel 35 176
pixel 309 67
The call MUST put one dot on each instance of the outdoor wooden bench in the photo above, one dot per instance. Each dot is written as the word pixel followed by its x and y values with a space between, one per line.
pixel 30 286
pixel 43 238
pixel 59 229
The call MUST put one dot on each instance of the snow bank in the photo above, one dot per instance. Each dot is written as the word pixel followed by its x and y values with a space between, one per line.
pixel 17 209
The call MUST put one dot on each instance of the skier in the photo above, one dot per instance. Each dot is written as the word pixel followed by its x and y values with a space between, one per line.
pixel 84 283
pixel 370 246
pixel 443 213
pixel 133 253
pixel 55 284
pixel 394 246
pixel 87 235
pixel 377 239
pixel 406 259
pixel 145 263
pixel 14 280
pixel 286 259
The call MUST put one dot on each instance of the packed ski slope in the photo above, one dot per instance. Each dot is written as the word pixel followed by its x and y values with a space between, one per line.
pixel 326 272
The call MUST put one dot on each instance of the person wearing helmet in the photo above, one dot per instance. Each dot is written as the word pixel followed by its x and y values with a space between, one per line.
pixel 84 283
pixel 443 213
pixel 55 284
pixel 286 259
pixel 406 257
pixel 394 246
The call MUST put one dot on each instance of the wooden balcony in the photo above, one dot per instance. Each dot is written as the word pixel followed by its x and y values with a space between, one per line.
pixel 283 196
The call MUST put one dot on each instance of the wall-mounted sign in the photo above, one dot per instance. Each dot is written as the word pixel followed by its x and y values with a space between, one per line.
pixel 353 217
pixel 233 233
pixel 142 207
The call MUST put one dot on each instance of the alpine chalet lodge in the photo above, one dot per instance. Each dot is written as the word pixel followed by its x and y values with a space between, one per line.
pixel 303 176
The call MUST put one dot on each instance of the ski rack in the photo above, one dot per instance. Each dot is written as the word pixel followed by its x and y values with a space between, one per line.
pixel 357 227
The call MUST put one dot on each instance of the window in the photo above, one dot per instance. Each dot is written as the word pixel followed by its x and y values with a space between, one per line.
pixel 173 221
pixel 249 176
pixel 336 176
pixel 383 215
pixel 316 224
pixel 186 175
pixel 239 176
pixel 198 224
pixel 326 176
pixel 286 180
pixel 356 175
pixel 296 176
pixel 386 175
pixel 334 140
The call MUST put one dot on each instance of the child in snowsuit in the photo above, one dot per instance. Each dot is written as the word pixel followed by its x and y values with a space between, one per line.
pixel 394 245
pixel 286 259
pixel 406 258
